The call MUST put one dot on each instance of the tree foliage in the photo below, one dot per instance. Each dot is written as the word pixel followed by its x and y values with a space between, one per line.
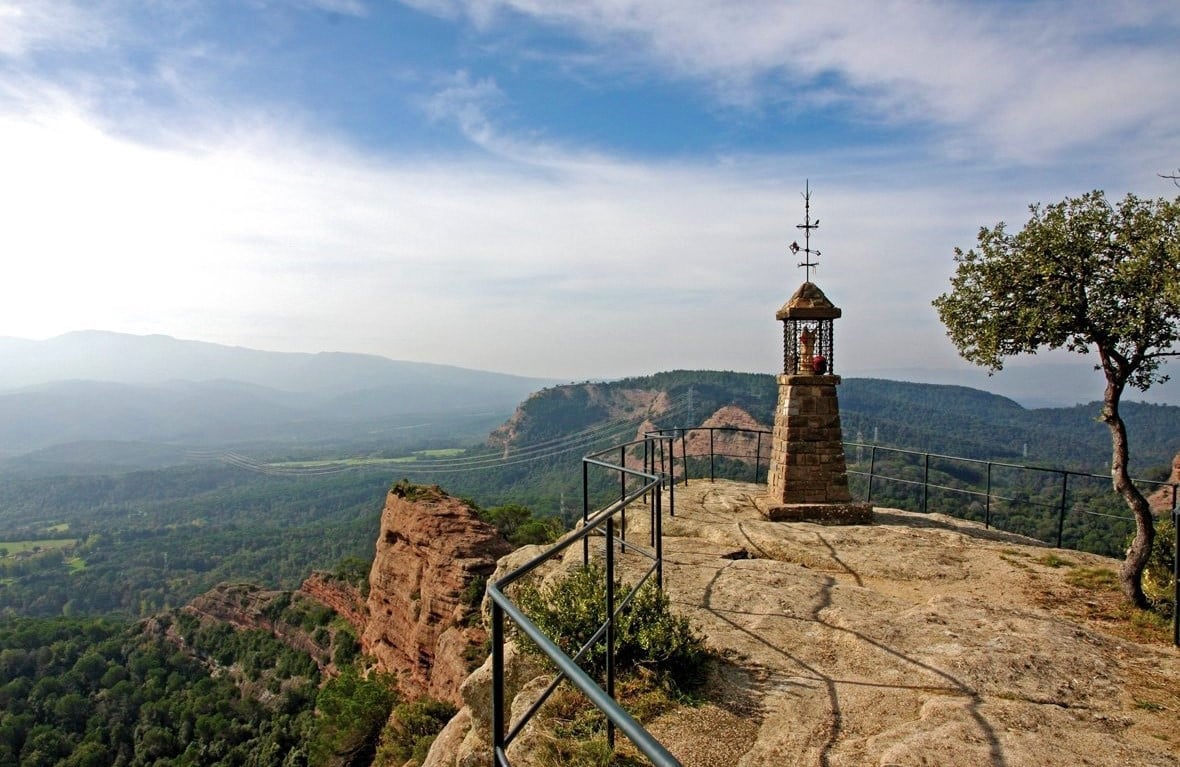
pixel 1090 277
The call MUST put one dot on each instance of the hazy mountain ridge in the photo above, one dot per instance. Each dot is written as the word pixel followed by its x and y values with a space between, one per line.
pixel 97 386
pixel 119 357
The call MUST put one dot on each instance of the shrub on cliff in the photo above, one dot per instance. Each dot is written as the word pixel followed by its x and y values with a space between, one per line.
pixel 412 728
pixel 647 634
pixel 520 526
pixel 1159 583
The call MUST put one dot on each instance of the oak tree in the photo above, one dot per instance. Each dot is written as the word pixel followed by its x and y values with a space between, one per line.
pixel 1091 277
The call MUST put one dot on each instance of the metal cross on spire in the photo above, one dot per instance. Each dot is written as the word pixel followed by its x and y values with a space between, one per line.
pixel 806 226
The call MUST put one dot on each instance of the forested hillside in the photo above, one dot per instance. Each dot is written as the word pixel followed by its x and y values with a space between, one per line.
pixel 82 535
pixel 945 419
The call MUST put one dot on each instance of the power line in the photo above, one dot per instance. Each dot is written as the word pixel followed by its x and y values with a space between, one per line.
pixel 567 443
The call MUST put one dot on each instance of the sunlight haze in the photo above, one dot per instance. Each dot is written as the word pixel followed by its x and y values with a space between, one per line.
pixel 566 190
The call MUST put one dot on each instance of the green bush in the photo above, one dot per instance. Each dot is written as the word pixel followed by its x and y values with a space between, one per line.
pixel 413 728
pixel 647 634
pixel 350 712
pixel 1158 578
pixel 520 526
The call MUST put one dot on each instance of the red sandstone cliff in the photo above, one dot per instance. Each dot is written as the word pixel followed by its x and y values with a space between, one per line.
pixel 425 584
pixel 246 606
pixel 342 597
pixel 433 553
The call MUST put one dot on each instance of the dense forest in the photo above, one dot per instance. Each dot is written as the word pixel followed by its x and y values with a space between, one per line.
pixel 176 690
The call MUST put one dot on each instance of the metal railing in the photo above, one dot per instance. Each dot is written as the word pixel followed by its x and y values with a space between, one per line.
pixel 759 455
pixel 987 493
pixel 658 470
pixel 756 459
pixel 635 484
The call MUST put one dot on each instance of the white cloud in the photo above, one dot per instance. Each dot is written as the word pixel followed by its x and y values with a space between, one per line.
pixel 538 256
pixel 593 267
pixel 1026 81
pixel 344 7
pixel 465 102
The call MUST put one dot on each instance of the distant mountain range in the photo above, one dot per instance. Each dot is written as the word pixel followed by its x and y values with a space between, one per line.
pixel 105 399
pixel 94 385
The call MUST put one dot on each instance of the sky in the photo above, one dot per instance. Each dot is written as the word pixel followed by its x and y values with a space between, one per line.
pixel 570 190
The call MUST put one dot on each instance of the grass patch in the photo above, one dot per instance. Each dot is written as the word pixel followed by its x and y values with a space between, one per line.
pixel 1092 578
pixel 76 564
pixel 575 731
pixel 44 544
pixel 1147 626
pixel 1147 705
pixel 1052 560
pixel 442 452
pixel 1014 562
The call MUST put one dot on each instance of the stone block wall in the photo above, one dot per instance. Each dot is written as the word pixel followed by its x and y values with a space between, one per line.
pixel 807 457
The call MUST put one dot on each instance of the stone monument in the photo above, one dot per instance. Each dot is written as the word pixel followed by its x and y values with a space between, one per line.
pixel 808 478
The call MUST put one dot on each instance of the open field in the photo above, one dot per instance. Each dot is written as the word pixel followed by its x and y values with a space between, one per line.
pixel 19 547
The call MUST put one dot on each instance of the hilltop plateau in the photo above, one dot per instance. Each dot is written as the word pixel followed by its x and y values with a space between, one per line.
pixel 917 640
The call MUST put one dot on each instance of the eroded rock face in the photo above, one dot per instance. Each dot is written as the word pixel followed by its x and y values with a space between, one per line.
pixel 342 597
pixel 433 552
pixel 247 607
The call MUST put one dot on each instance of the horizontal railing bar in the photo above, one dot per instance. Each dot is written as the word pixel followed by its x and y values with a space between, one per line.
pixel 643 740
pixel 590 527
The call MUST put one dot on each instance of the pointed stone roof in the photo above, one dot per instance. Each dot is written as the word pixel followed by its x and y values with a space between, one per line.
pixel 808 303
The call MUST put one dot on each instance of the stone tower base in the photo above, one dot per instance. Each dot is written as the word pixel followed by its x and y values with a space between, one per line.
pixel 808 480
pixel 822 513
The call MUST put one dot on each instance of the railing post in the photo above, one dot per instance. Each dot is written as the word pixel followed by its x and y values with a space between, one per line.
pixel 925 482
pixel 872 468
pixel 585 511
pixel 987 504
pixel 1175 571
pixel 649 461
pixel 684 460
pixel 622 474
pixel 758 457
pixel 623 494
pixel 497 680
pixel 610 623
pixel 659 542
pixel 672 484
pixel 1061 511
pixel 712 472
pixel 653 500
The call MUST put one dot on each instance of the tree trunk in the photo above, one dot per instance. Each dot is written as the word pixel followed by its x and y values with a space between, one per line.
pixel 1131 571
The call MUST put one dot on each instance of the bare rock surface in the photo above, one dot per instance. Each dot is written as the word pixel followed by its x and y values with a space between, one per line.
pixel 917 640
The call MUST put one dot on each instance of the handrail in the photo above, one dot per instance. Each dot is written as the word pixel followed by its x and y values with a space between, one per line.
pixel 601 520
